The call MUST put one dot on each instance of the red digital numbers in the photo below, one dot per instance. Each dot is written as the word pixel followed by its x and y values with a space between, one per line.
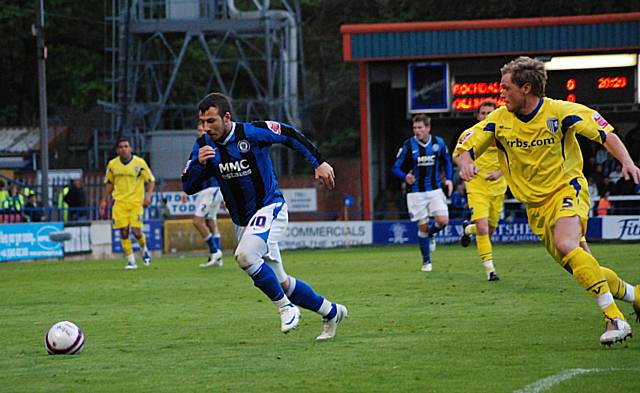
pixel 571 84
pixel 612 82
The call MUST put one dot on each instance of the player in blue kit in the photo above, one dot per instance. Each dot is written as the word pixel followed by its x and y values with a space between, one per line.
pixel 237 155
pixel 418 165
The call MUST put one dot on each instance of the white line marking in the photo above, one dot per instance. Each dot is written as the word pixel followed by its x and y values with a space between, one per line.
pixel 548 382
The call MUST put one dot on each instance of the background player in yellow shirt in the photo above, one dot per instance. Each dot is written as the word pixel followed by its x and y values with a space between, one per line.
pixel 486 197
pixel 539 156
pixel 125 178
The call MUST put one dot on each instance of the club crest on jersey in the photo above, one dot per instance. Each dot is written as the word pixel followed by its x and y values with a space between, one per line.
pixel 599 120
pixel 273 126
pixel 552 124
pixel 435 148
pixel 243 146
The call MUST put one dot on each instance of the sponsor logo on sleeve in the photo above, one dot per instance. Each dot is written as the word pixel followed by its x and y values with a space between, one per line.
pixel 465 137
pixel 273 126
pixel 599 120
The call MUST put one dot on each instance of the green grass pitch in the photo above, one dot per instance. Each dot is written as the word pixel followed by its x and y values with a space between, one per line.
pixel 175 327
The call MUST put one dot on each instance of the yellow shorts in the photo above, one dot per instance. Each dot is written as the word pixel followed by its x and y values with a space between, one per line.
pixel 127 214
pixel 486 206
pixel 571 200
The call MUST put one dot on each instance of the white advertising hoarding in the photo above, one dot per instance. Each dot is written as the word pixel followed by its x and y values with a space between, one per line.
pixel 327 234
pixel 621 227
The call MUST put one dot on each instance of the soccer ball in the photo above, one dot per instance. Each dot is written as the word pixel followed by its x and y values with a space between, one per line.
pixel 64 338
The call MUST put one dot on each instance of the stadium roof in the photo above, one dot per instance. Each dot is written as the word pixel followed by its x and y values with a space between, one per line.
pixel 491 37
pixel 24 140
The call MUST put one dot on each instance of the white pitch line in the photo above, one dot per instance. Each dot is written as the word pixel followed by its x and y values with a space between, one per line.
pixel 548 382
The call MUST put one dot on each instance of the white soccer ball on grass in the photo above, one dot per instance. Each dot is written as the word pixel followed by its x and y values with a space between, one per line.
pixel 64 338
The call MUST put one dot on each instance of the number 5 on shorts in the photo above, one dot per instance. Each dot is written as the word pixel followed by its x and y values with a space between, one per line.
pixel 567 202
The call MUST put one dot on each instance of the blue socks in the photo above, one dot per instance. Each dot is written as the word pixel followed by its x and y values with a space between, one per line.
pixel 423 242
pixel 216 241
pixel 303 295
pixel 265 279
pixel 211 242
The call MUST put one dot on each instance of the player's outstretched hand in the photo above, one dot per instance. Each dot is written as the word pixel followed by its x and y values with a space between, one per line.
pixel 205 153
pixel 631 171
pixel 326 176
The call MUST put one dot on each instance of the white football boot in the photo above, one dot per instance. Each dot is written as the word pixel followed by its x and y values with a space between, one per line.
pixel 289 317
pixel 131 266
pixel 215 260
pixel 426 267
pixel 329 326
pixel 617 330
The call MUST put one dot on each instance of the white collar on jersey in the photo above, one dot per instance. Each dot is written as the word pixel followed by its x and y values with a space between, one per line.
pixel 423 144
pixel 233 130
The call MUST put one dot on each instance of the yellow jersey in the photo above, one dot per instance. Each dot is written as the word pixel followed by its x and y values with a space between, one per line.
pixel 486 163
pixel 128 179
pixel 539 152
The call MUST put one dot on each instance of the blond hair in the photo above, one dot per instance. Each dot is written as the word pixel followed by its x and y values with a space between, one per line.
pixel 527 70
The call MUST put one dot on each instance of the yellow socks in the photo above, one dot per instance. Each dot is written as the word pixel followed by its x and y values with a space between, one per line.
pixel 142 242
pixel 621 289
pixel 127 247
pixel 485 251
pixel 587 272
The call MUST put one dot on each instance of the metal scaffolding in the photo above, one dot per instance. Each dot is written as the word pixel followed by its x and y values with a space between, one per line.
pixel 164 55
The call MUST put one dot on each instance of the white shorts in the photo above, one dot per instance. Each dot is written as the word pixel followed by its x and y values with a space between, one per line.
pixel 423 205
pixel 269 224
pixel 208 202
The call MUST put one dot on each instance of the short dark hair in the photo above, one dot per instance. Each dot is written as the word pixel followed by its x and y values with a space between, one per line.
pixel 490 103
pixel 423 118
pixel 215 100
pixel 122 139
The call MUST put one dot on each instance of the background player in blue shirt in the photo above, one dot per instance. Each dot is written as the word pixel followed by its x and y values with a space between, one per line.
pixel 237 155
pixel 418 164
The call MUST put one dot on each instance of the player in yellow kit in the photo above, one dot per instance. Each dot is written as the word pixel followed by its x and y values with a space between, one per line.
pixel 486 197
pixel 539 157
pixel 125 178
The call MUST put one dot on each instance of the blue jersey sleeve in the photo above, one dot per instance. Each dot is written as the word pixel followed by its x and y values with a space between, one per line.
pixel 448 166
pixel 195 175
pixel 402 161
pixel 271 132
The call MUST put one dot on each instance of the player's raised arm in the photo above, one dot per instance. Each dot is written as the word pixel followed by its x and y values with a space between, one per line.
pixel 590 124
pixel 275 132
pixel 617 149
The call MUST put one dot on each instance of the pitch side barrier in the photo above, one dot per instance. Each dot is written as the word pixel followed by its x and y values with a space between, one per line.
pixel 330 234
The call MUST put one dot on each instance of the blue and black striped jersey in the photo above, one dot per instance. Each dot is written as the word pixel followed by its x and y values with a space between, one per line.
pixel 423 160
pixel 243 168
pixel 210 181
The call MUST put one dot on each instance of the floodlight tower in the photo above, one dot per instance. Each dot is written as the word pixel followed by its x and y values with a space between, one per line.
pixel 166 54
